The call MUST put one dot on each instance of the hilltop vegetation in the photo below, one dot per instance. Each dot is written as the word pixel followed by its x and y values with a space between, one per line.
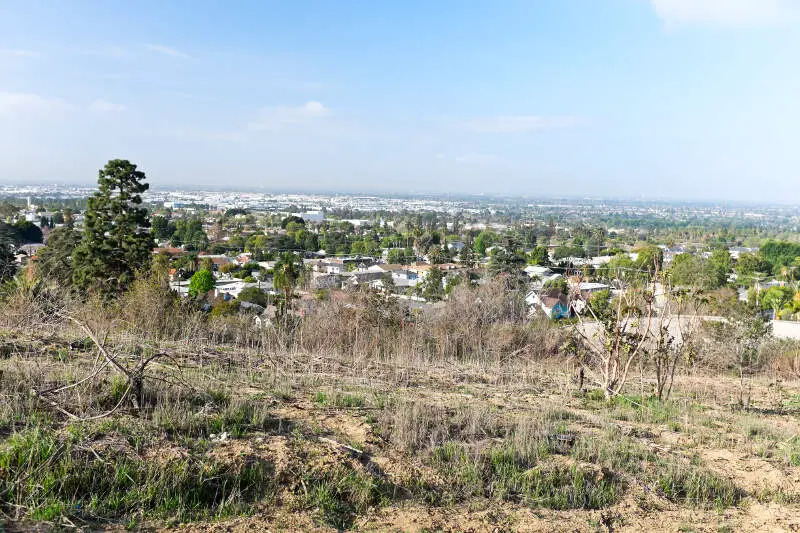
pixel 353 418
pixel 126 405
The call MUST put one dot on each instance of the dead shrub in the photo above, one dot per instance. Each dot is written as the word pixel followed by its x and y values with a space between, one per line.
pixel 782 357
pixel 413 426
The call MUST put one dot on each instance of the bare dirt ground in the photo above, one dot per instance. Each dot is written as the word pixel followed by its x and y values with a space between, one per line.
pixel 746 447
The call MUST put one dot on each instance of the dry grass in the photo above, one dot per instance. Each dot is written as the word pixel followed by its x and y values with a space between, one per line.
pixel 362 409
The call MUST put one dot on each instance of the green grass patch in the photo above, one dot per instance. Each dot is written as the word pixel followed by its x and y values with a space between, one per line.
pixel 339 399
pixel 237 418
pixel 50 476
pixel 691 483
pixel 504 474
pixel 336 495
pixel 696 486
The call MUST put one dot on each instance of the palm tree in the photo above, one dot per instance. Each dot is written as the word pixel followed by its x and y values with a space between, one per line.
pixel 192 261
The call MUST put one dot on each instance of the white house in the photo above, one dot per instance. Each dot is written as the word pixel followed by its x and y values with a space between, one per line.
pixel 537 271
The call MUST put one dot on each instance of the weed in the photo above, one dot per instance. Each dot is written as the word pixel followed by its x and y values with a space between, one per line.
pixel 321 398
pixel 339 399
pixel 790 449
pixel 691 484
pixel 52 477
pixel 236 419
pixel 681 483
pixel 338 494
pixel 503 473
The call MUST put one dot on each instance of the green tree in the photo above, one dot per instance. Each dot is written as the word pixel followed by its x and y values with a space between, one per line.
pixel 432 286
pixel 779 254
pixel 28 232
pixel 436 255
pixel 225 308
pixel 202 281
pixel 54 261
pixel 691 271
pixel 558 284
pixel 253 295
pixel 510 265
pixel 7 209
pixel 292 219
pixel 357 248
pixel 160 226
pixel 776 298
pixel 397 256
pixel 190 234
pixel 600 304
pixel 619 267
pixel 750 266
pixel 451 282
pixel 116 241
pixel 539 256
pixel 467 255
pixel 650 258
pixel 8 265
pixel 483 241
pixel 293 227
pixel 721 265
pixel 287 272
pixel 562 252
pixel 311 242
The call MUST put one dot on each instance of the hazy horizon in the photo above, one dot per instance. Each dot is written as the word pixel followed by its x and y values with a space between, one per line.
pixel 632 99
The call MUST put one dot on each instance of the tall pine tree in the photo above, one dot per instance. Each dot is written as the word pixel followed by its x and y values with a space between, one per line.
pixel 116 238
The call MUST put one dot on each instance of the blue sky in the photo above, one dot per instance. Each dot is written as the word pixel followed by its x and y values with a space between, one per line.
pixel 684 99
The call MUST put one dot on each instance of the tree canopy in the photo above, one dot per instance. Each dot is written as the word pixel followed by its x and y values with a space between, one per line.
pixel 116 240
pixel 55 260
pixel 202 281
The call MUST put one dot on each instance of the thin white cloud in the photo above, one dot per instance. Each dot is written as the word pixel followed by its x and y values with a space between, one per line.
pixel 282 117
pixel 104 107
pixel 12 103
pixel 731 13
pixel 17 53
pixel 166 50
pixel 112 52
pixel 517 123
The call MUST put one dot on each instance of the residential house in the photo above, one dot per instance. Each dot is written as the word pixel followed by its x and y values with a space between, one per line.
pixel 171 250
pixel 737 251
pixel 244 258
pixel 402 275
pixel 586 288
pixel 326 281
pixel 217 260
pixel 553 304
pixel 537 271
pixel 600 260
pixel 31 249
pixel 355 279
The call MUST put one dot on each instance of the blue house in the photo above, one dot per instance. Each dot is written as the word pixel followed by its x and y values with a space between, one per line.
pixel 553 304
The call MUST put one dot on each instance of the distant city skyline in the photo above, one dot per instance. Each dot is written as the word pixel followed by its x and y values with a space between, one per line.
pixel 74 190
pixel 653 99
